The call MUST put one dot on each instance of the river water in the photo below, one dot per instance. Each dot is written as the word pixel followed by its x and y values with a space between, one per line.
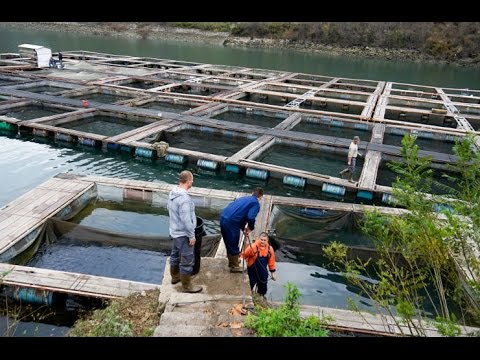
pixel 26 162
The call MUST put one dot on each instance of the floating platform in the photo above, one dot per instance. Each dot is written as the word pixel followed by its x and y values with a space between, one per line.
pixel 149 100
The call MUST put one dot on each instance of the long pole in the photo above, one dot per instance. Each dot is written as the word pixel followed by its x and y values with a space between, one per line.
pixel 243 269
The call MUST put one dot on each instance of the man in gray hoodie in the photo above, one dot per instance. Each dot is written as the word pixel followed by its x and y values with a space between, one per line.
pixel 182 231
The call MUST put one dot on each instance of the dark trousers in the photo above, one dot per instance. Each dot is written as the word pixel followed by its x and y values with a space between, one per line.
pixel 258 275
pixel 231 236
pixel 182 255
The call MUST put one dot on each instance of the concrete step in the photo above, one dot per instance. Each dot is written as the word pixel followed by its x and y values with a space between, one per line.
pixel 182 319
pixel 198 319
pixel 200 331
pixel 185 330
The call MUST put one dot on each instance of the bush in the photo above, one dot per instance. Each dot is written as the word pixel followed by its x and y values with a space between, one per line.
pixel 286 320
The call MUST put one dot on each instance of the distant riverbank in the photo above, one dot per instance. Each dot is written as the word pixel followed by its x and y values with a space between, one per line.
pixel 161 32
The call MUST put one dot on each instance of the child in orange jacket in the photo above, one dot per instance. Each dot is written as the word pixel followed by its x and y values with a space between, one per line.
pixel 260 258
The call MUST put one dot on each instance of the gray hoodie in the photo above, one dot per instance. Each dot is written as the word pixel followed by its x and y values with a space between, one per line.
pixel 182 213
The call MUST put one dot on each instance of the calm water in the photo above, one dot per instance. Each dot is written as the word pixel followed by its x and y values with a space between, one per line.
pixel 25 164
pixel 324 163
pixel 324 129
pixel 103 125
pixel 245 118
pixel 279 59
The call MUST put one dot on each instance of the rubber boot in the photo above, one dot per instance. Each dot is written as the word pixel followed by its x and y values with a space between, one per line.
pixel 235 267
pixel 232 262
pixel 175 272
pixel 187 284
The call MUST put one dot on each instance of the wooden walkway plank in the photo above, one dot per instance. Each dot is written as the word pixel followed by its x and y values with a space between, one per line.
pixel 72 283
pixel 31 210
pixel 368 176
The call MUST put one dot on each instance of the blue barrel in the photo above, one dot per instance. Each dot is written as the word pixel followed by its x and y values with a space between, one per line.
pixel 232 168
pixel 113 146
pixel 33 296
pixel 177 159
pixel 146 153
pixel 364 194
pixel 294 181
pixel 7 126
pixel 425 135
pixel 396 131
pixel 40 132
pixel 314 213
pixel 388 199
pixel 87 142
pixel 206 129
pixel 443 207
pixel 252 137
pixel 333 189
pixel 257 173
pixel 228 134
pixel 452 138
pixel 337 123
pixel 207 164
pixel 361 126
pixel 125 148
pixel 63 137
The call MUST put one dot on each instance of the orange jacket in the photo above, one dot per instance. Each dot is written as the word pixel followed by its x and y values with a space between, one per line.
pixel 251 253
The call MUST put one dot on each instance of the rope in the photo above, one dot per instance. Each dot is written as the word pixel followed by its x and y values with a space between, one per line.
pixel 161 147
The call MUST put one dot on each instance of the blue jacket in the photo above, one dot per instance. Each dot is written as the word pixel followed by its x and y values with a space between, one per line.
pixel 241 211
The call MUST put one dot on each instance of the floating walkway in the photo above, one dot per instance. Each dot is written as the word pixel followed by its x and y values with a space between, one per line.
pixel 21 220
pixel 158 98
pixel 70 283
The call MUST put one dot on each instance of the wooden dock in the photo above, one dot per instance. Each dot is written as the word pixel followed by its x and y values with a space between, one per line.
pixel 70 283
pixel 209 90
pixel 26 215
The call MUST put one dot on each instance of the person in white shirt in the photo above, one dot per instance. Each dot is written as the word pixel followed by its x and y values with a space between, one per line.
pixel 352 158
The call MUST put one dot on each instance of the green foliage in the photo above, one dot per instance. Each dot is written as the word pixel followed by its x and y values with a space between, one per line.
pixel 285 321
pixel 414 265
pixel 104 322
pixel 447 327
pixel 207 26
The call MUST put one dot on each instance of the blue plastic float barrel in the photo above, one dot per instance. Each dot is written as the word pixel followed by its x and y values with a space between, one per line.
pixel 451 138
pixel 333 189
pixel 257 173
pixel 177 159
pixel 33 296
pixel 361 126
pixel 294 181
pixel 365 194
pixel 206 129
pixel 314 213
pixel 40 132
pixel 228 134
pixel 113 146
pixel 146 153
pixel 63 137
pixel 87 142
pixel 207 164
pixel 442 207
pixel 337 123
pixel 232 168
pixel 388 199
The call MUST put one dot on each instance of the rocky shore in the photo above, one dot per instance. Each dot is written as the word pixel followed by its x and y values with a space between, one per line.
pixel 155 31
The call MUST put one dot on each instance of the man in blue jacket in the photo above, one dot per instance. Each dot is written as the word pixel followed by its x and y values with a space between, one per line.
pixel 239 216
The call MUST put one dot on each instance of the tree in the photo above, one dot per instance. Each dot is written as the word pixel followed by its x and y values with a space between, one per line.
pixel 421 253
